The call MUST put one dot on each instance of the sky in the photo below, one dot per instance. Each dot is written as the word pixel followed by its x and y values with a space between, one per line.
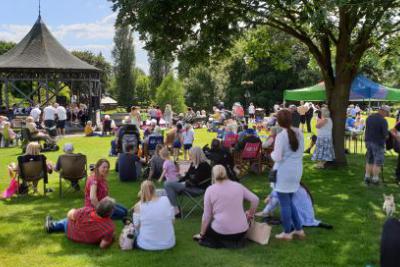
pixel 77 24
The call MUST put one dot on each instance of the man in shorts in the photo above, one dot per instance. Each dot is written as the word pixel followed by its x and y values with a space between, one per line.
pixel 376 133
pixel 61 118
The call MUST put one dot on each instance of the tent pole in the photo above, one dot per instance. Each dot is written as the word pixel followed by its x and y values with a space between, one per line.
pixel 369 106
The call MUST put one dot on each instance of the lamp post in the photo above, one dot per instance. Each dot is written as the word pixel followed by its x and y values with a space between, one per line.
pixel 247 96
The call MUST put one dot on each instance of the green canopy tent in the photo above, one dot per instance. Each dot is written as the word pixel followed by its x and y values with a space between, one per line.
pixel 362 89
pixel 312 93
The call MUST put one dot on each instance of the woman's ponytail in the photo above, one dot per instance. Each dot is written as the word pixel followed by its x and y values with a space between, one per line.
pixel 293 141
pixel 284 117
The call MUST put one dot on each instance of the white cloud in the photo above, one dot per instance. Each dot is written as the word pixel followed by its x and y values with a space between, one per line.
pixel 102 29
pixel 13 32
pixel 81 36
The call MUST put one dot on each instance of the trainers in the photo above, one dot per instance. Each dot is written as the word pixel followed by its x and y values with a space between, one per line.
pixel 367 180
pixel 299 234
pixel 375 180
pixel 48 224
pixel 284 236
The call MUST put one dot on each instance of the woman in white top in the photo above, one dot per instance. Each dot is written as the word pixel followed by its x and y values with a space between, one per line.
pixel 154 217
pixel 288 158
pixel 324 146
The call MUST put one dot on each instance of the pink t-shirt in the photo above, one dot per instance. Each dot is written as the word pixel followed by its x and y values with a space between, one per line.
pixel 171 172
pixel 223 207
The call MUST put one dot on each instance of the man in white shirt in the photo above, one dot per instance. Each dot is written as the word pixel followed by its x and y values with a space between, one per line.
pixel 61 118
pixel 252 111
pixel 49 116
pixel 35 114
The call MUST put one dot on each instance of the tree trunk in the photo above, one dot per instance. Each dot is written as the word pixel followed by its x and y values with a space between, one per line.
pixel 338 102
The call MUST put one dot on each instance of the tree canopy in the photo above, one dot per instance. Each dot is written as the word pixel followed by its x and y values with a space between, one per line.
pixel 171 92
pixel 99 62
pixel 124 60
pixel 5 46
pixel 336 32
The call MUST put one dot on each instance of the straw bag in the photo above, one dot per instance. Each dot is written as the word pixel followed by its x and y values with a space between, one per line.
pixel 259 232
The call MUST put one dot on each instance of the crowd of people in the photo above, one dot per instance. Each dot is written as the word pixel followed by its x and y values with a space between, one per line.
pixel 149 145
pixel 208 171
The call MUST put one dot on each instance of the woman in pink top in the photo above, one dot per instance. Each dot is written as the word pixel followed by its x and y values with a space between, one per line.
pixel 170 171
pixel 225 222
pixel 97 188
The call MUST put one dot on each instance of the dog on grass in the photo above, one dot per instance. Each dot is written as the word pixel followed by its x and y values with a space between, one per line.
pixel 388 205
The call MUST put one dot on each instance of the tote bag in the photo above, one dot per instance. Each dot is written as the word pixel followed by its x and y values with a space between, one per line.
pixel 259 232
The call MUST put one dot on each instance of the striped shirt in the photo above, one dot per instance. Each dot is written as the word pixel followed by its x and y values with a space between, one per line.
pixel 89 228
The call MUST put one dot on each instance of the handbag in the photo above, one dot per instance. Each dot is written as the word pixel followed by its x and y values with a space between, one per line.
pixel 272 176
pixel 259 232
pixel 128 237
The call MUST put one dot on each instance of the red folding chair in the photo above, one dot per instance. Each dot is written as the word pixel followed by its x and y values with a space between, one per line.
pixel 230 140
pixel 251 154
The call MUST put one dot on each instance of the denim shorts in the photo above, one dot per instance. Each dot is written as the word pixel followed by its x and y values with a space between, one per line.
pixel 375 154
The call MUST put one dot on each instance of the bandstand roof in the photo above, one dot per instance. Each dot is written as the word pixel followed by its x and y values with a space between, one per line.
pixel 40 50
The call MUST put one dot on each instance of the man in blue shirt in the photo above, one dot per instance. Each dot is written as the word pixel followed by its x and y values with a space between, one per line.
pixel 376 133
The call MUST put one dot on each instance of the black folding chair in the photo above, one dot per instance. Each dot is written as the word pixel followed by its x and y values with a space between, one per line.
pixel 73 167
pixel 191 198
pixel 32 169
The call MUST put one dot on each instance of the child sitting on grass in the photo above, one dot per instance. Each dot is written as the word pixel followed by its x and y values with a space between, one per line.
pixel 13 186
pixel 156 163
pixel 170 170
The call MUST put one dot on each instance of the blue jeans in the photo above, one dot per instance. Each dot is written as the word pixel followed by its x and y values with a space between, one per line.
pixel 113 148
pixel 60 226
pixel 119 212
pixel 289 216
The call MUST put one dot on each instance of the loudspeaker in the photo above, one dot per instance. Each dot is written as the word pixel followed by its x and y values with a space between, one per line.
pixel 95 102
pixel 61 100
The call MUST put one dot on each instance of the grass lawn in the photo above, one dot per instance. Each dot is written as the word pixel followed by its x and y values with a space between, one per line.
pixel 340 199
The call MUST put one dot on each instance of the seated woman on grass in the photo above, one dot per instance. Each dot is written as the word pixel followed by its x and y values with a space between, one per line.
pixel 153 216
pixel 89 129
pixel 225 223
pixel 303 201
pixel 87 225
pixel 97 188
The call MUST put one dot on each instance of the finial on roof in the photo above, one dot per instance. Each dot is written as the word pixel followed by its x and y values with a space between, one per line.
pixel 39 10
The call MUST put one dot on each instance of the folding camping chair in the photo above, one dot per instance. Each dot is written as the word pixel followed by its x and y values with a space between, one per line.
pixel 230 141
pixel 191 198
pixel 32 169
pixel 73 168
pixel 251 154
